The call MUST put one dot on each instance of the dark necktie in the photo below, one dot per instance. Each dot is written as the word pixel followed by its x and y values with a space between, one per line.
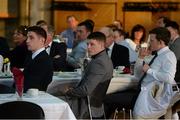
pixel 47 47
pixel 107 49
pixel 144 75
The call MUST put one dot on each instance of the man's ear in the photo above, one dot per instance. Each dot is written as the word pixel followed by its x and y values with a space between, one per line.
pixel 43 40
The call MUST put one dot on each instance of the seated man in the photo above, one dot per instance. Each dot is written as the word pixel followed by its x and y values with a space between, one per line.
pixel 74 59
pixel 119 54
pixel 160 70
pixel 57 51
pixel 38 70
pixel 94 82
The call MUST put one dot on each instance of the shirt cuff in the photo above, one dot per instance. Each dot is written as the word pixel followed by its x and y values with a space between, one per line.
pixel 149 71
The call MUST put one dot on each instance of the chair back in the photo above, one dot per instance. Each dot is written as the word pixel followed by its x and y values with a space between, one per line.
pixel 177 75
pixel 99 94
pixel 6 89
pixel 21 110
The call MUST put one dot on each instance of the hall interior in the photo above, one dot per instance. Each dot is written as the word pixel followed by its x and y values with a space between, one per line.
pixel 102 12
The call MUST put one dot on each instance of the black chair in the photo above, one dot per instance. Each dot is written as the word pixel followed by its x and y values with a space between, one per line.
pixel 122 101
pixel 21 110
pixel 6 89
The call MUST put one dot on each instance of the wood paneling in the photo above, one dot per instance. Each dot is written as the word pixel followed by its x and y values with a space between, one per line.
pixel 101 13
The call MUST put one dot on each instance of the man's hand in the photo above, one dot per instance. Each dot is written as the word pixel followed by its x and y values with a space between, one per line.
pixel 143 52
pixel 57 56
pixel 146 67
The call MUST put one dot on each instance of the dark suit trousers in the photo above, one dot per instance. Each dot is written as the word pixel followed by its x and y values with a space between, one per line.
pixel 125 99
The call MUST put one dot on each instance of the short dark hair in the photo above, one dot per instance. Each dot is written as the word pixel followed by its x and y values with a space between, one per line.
pixel 88 24
pixel 121 32
pixel 165 19
pixel 97 36
pixel 161 34
pixel 173 24
pixel 51 29
pixel 22 29
pixel 112 26
pixel 41 22
pixel 38 30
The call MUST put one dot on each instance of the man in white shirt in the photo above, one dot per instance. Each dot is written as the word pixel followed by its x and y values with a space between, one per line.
pixel 162 70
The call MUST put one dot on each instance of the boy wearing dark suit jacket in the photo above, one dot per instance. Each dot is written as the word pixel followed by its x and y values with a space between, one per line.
pixel 38 70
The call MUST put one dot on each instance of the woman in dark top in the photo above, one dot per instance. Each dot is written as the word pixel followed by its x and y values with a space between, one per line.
pixel 19 53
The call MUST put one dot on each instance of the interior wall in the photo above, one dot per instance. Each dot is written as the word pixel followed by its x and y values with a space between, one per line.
pixel 102 13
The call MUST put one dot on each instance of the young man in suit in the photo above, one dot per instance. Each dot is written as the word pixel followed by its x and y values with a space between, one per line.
pixel 118 53
pixel 94 82
pixel 38 70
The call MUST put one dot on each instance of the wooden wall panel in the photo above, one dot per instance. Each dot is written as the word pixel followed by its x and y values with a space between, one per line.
pixel 133 18
pixel 101 13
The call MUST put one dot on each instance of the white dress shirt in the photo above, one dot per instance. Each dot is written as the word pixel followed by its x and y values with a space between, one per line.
pixel 110 49
pixel 37 52
pixel 162 69
pixel 133 55
pixel 48 48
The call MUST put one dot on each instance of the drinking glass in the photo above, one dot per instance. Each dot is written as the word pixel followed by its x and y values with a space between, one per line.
pixel 132 68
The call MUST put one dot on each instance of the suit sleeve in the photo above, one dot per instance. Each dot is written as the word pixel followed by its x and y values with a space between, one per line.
pixel 59 57
pixel 89 81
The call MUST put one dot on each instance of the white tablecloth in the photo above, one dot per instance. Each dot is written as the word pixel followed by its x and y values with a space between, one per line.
pixel 54 108
pixel 118 83
pixel 6 81
pixel 62 80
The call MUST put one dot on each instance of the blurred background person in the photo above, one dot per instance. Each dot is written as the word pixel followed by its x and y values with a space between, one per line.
pixel 174 45
pixel 138 36
pixel 56 50
pixel 119 37
pixel 70 32
pixel 162 21
pixel 76 57
pixel 118 23
pixel 19 53
pixel 119 54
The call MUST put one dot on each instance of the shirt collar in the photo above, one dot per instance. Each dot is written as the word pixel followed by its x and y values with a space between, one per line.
pixel 111 46
pixel 50 44
pixel 94 56
pixel 37 52
pixel 162 50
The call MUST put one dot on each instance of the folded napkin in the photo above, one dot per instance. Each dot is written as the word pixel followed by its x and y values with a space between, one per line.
pixel 126 70
pixel 19 80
